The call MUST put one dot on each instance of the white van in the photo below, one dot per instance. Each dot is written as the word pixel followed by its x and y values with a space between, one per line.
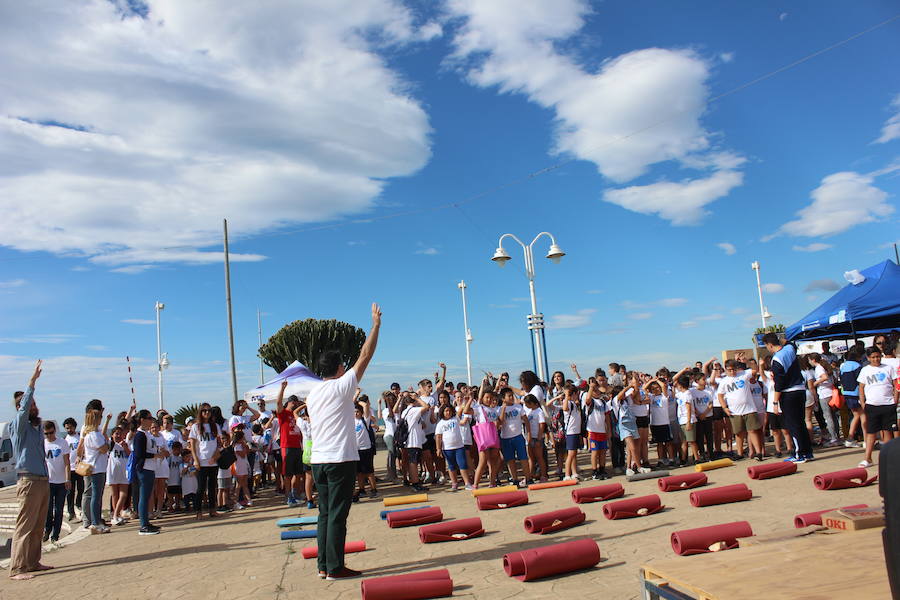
pixel 7 460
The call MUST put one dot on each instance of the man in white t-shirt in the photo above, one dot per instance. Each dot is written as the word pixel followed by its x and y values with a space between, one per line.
pixel 878 397
pixel 335 452
pixel 56 453
pixel 737 402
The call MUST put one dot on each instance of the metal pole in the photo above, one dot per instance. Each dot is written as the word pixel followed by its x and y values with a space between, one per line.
pixel 462 288
pixel 228 306
pixel 896 255
pixel 762 310
pixel 259 334
pixel 537 323
pixel 158 307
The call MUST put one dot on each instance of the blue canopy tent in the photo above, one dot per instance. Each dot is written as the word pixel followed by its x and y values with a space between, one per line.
pixel 864 308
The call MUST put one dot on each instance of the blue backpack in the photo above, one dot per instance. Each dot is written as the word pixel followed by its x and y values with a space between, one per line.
pixel 129 468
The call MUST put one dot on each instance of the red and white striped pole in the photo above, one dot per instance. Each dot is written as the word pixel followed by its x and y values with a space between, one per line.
pixel 131 381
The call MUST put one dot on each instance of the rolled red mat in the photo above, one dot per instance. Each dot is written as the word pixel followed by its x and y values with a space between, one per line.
pixel 721 495
pixel 554 521
pixel 771 470
pixel 451 531
pixel 419 516
pixel 598 493
pixel 681 482
pixel 841 480
pixel 815 517
pixel 697 541
pixel 415 586
pixel 349 547
pixel 535 563
pixel 633 507
pixel 507 500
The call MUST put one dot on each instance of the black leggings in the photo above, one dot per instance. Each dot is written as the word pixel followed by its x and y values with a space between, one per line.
pixel 75 492
pixel 793 410
pixel 704 432
pixel 206 482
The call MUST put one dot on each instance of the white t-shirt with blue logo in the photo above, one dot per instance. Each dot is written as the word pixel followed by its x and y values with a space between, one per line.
pixel 55 453
pixel 683 400
pixel 738 397
pixel 362 435
pixel 659 410
pixel 450 432
pixel 512 421
pixel 879 382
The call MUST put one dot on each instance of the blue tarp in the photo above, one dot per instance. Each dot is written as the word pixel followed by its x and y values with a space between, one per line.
pixel 870 306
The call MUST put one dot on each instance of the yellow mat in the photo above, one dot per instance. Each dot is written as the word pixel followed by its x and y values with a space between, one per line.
pixel 398 500
pixel 495 490
pixel 715 464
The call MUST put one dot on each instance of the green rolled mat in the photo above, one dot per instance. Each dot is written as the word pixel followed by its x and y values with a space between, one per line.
pixel 298 535
pixel 650 475
pixel 292 521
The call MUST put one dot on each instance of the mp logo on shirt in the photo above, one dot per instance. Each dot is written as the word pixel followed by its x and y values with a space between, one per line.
pixel 737 385
pixel 53 453
pixel 876 377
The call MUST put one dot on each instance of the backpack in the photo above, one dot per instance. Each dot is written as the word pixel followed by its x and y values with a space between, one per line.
pixel 401 433
pixel 848 379
pixel 129 468
pixel 371 433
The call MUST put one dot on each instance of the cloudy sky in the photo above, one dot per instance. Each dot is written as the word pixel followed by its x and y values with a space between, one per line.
pixel 376 150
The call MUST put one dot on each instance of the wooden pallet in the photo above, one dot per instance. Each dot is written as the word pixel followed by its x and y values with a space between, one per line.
pixel 822 565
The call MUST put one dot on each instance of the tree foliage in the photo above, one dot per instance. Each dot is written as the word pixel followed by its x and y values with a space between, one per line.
pixel 188 410
pixel 777 328
pixel 307 340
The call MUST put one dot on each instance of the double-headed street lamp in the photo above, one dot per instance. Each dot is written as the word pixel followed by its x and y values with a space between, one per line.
pixel 763 311
pixel 535 319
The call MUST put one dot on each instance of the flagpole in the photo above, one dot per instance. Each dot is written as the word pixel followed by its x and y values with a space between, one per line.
pixel 228 306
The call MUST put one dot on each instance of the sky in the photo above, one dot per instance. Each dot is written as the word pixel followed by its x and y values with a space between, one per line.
pixel 376 150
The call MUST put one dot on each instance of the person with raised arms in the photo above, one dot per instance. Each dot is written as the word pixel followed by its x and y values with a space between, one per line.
pixel 335 453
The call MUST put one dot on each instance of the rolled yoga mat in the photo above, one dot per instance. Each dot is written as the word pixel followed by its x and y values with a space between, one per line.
pixel 415 586
pixel 293 521
pixel 771 470
pixel 385 513
pixel 556 520
pixel 738 492
pixel 633 507
pixel 508 500
pixel 451 531
pixel 715 464
pixel 815 517
pixel 399 500
pixel 528 565
pixel 505 489
pixel 650 475
pixel 420 516
pixel 841 480
pixel 298 534
pixel 598 493
pixel 552 484
pixel 698 541
pixel 349 547
pixel 681 482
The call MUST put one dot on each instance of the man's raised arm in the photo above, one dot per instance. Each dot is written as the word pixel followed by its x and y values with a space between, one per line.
pixel 368 349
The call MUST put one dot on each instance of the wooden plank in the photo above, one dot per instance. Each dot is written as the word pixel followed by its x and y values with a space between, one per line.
pixel 806 568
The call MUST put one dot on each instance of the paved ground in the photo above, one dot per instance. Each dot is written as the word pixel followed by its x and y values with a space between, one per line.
pixel 240 555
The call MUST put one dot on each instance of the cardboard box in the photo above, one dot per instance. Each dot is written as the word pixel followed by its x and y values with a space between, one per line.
pixel 852 519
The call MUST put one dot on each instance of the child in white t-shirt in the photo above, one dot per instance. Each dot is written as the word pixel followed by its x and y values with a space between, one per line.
pixel 116 475
pixel 225 478
pixel 56 453
pixel 878 395
pixel 188 481
pixel 173 485
pixel 687 417
pixel 513 444
pixel 161 467
pixel 537 424
pixel 450 446
pixel 598 424
pixel 241 468
pixel 659 419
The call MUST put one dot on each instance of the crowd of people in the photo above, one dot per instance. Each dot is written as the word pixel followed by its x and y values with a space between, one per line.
pixel 464 436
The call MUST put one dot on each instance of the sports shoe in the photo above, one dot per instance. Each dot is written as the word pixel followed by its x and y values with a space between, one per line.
pixel 644 470
pixel 98 529
pixel 595 475
pixel 238 506
pixel 832 443
pixel 847 444
pixel 151 530
pixel 343 573
pixel 864 464
pixel 454 487
pixel 373 494
pixel 310 505
pixel 419 487
pixel 629 472
pixel 470 487
pixel 322 574
pixel 796 459
pixel 46 536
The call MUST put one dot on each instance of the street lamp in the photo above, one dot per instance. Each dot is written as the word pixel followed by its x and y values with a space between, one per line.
pixel 462 288
pixel 763 311
pixel 535 319
pixel 162 360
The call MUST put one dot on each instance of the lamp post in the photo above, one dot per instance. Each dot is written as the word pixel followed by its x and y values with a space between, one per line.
pixel 763 311
pixel 462 288
pixel 162 360
pixel 535 319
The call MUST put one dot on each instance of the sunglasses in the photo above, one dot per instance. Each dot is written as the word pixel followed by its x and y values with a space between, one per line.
pixel 204 410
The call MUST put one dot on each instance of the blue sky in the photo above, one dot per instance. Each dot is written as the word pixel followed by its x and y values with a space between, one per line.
pixel 376 151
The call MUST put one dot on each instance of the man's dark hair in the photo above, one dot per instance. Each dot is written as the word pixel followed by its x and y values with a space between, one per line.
pixel 93 405
pixel 771 338
pixel 873 350
pixel 528 379
pixel 144 414
pixel 16 397
pixel 329 363
pixel 684 381
pixel 70 420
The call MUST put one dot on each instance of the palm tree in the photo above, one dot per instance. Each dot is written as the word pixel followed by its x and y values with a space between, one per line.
pixel 181 415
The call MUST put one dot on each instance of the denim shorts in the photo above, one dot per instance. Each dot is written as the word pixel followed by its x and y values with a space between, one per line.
pixel 573 441
pixel 456 459
pixel 513 448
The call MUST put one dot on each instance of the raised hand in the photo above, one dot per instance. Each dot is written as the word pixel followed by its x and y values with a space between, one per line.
pixel 442 366
pixel 36 374
pixel 284 384
pixel 376 315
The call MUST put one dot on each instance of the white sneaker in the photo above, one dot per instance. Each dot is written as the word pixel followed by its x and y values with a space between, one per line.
pixel 238 506
pixel 629 472
pixel 644 470
pixel 832 443
pixel 864 464
pixel 851 444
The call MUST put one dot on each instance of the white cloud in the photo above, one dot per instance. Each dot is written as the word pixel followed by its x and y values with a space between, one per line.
pixel 430 251
pixel 40 338
pixel 710 317
pixel 814 247
pixel 502 306
pixel 581 318
pixel 843 200
pixel 727 247
pixel 782 16
pixel 133 269
pixel 640 316
pixel 739 311
pixel 688 324
pixel 726 57
pixel 826 285
pixel 773 288
pixel 139 321
pixel 669 302
pixel 96 348
pixel 12 283
pixel 594 292
pixel 682 203
pixel 267 114
pixel 636 110
pixel 891 129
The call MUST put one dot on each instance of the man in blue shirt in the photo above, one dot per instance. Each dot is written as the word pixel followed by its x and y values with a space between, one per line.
pixel 33 490
pixel 790 394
